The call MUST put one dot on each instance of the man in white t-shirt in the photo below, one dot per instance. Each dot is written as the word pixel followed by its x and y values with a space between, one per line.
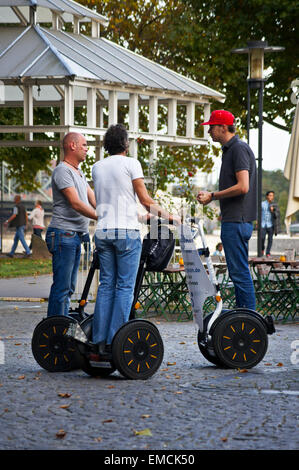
pixel 117 180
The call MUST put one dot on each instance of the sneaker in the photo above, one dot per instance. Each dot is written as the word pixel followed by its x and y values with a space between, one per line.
pixel 26 255
pixel 9 255
pixel 268 255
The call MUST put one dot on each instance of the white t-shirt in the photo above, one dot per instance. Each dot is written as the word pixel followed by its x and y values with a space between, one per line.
pixel 114 192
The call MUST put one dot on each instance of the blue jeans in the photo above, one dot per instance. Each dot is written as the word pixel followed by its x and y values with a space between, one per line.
pixel 235 237
pixel 65 246
pixel 119 254
pixel 19 236
pixel 267 231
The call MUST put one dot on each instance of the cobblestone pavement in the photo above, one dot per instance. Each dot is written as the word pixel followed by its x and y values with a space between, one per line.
pixel 187 404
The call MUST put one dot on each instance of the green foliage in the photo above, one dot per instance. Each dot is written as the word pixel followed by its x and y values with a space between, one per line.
pixel 24 162
pixel 17 267
pixel 195 38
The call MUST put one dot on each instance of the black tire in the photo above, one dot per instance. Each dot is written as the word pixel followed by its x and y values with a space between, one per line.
pixel 206 346
pixel 52 349
pixel 137 349
pixel 240 340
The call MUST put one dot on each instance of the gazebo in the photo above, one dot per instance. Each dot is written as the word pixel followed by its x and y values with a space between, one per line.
pixel 43 65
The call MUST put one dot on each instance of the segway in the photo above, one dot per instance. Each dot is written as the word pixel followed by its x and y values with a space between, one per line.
pixel 234 338
pixel 65 343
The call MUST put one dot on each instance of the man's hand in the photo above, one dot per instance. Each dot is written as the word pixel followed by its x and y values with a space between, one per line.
pixel 176 219
pixel 204 197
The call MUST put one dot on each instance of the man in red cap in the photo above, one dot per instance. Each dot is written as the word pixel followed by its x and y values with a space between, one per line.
pixel 238 205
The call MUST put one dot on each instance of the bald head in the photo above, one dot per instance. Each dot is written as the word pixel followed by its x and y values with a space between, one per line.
pixel 69 139
pixel 17 198
pixel 74 147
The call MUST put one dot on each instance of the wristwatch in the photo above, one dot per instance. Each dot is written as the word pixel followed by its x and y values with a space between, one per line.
pixel 213 197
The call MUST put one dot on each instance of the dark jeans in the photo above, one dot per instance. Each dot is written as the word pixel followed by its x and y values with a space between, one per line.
pixel 235 237
pixel 267 231
pixel 38 233
pixel 65 246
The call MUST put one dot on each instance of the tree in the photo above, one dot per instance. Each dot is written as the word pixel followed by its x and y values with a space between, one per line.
pixel 210 30
pixel 195 38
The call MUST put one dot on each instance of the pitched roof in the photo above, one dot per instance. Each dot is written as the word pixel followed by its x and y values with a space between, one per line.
pixel 40 52
pixel 60 6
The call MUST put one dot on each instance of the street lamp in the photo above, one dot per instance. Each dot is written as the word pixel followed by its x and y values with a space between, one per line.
pixel 255 80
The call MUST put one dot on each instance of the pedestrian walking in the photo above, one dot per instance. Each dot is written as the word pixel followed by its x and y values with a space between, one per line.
pixel 237 197
pixel 73 205
pixel 37 218
pixel 270 221
pixel 117 180
pixel 18 219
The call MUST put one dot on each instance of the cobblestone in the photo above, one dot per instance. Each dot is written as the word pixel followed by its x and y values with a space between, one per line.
pixel 187 404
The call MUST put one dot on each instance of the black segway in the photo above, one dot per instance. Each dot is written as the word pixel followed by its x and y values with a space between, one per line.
pixel 234 338
pixel 65 343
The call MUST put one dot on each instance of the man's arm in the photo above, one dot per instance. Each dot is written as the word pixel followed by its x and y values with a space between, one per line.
pixel 149 203
pixel 241 187
pixel 91 197
pixel 75 202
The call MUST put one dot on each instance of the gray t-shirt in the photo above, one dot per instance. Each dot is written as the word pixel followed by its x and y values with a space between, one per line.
pixel 64 216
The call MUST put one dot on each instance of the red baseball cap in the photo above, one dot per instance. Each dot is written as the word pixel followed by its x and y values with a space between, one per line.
pixel 220 117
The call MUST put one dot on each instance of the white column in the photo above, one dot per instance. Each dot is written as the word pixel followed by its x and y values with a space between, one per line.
pixel 206 115
pixel 95 29
pixel 153 114
pixel 153 125
pixel 190 120
pixel 68 105
pixel 62 134
pixel 76 25
pixel 55 20
pixel 28 109
pixel 113 108
pixel 91 107
pixel 100 124
pixel 172 117
pixel 134 123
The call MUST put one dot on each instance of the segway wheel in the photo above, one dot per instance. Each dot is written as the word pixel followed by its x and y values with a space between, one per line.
pixel 240 340
pixel 52 349
pixel 137 349
pixel 206 345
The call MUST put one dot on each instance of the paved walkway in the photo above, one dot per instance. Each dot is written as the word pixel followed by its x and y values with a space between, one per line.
pixel 187 404
pixel 30 287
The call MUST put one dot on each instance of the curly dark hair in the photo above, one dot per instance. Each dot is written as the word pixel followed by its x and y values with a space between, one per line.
pixel 116 139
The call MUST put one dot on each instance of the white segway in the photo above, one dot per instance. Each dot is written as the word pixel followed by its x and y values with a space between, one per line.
pixel 234 338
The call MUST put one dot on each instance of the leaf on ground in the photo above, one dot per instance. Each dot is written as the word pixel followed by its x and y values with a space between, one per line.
pixel 21 377
pixel 64 407
pixel 64 395
pixel 143 432
pixel 61 434
pixel 171 363
pixel 107 421
pixel 280 364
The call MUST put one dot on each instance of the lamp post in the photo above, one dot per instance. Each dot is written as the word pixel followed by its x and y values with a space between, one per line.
pixel 255 80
